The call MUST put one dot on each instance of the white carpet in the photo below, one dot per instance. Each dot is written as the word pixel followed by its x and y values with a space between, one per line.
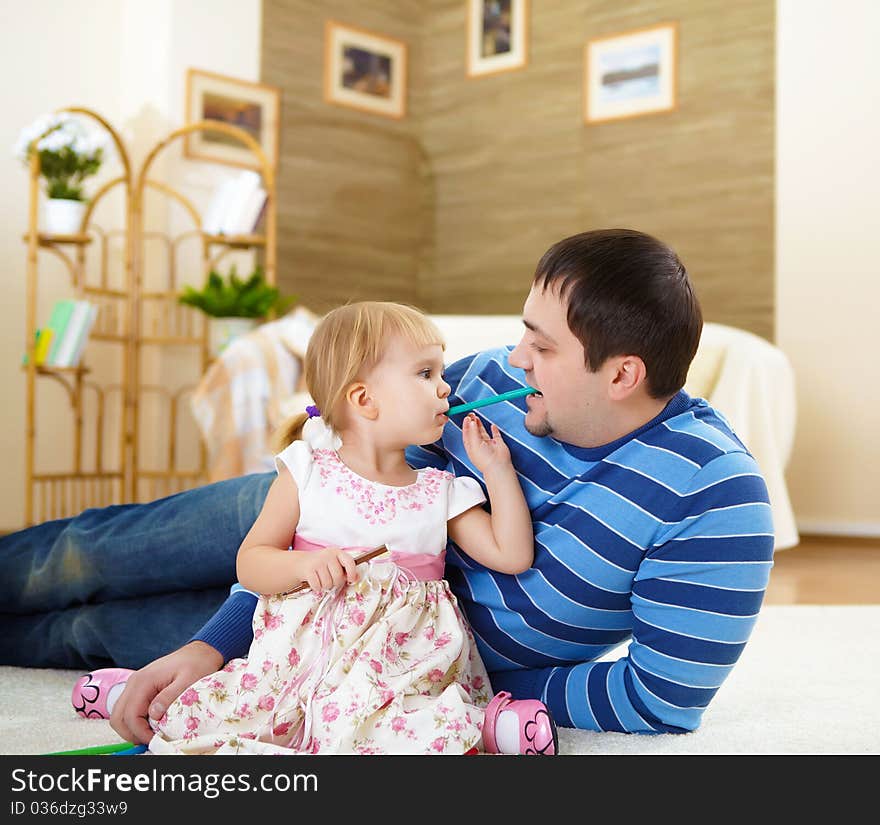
pixel 807 683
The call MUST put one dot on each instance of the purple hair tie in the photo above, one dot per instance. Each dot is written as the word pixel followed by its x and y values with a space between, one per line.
pixel 313 411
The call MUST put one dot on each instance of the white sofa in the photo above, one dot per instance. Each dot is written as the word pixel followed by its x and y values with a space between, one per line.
pixel 745 377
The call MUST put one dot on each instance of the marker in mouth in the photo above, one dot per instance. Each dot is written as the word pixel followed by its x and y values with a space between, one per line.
pixel 494 399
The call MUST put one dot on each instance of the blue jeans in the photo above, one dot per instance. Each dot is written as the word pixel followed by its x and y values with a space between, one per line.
pixel 125 584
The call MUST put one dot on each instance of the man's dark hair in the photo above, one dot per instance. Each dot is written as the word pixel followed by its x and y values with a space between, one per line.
pixel 627 294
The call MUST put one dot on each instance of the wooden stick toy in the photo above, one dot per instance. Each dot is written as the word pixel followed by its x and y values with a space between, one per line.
pixel 359 560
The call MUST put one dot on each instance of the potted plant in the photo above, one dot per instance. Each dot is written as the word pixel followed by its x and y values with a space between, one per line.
pixel 68 155
pixel 234 305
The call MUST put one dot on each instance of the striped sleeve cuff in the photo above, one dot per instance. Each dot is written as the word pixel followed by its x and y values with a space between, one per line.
pixel 521 684
pixel 230 630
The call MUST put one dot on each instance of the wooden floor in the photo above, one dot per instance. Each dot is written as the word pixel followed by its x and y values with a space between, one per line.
pixel 826 570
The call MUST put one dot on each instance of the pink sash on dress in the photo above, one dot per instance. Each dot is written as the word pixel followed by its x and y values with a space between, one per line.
pixel 424 567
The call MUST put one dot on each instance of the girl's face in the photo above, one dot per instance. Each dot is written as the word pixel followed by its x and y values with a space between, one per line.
pixel 408 389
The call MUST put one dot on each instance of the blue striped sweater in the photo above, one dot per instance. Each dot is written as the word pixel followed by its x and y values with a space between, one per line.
pixel 662 539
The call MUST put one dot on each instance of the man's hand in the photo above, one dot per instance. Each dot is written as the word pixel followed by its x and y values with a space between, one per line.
pixel 155 686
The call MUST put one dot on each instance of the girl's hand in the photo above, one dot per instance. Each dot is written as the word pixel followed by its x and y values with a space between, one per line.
pixel 485 452
pixel 327 568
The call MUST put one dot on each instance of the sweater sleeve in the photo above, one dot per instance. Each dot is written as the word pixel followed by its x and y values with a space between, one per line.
pixel 230 630
pixel 695 600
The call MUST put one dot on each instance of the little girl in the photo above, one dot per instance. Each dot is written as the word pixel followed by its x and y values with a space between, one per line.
pixel 376 657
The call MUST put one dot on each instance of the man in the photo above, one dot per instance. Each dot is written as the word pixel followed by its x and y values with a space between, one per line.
pixel 652 522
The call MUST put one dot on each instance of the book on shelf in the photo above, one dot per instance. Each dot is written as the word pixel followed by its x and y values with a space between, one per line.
pixel 258 218
pixel 82 329
pixel 42 341
pixel 244 220
pixel 71 322
pixel 58 321
pixel 212 222
pixel 236 206
pixel 247 183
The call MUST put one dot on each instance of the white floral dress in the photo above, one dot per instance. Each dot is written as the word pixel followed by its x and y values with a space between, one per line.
pixel 386 665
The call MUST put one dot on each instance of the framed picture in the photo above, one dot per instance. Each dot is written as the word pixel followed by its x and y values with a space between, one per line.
pixel 253 107
pixel 364 70
pixel 629 74
pixel 496 39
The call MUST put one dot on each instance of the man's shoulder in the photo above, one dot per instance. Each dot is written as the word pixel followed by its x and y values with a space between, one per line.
pixel 692 447
pixel 481 359
pixel 701 433
pixel 719 459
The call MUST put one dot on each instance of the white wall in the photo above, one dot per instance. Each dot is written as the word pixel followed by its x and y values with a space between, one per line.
pixel 126 60
pixel 51 55
pixel 828 275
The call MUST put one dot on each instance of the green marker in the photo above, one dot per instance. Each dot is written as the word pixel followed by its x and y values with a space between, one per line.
pixel 98 750
pixel 485 402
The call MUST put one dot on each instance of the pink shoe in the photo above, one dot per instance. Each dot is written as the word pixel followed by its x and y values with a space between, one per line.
pixel 537 730
pixel 91 692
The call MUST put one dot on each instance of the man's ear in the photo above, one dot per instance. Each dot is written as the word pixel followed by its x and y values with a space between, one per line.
pixel 358 397
pixel 628 373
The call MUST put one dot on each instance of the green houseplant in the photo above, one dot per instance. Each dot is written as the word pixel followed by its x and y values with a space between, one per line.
pixel 68 155
pixel 234 305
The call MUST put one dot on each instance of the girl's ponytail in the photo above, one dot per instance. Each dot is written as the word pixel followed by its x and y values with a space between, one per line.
pixel 289 431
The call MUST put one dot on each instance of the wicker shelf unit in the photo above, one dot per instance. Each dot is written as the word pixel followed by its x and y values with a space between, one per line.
pixel 114 459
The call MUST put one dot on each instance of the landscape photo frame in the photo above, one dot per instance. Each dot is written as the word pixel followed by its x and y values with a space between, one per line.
pixel 631 73
pixel 254 107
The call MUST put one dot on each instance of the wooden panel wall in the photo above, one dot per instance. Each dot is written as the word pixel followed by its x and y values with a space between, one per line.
pixel 452 207
pixel 351 221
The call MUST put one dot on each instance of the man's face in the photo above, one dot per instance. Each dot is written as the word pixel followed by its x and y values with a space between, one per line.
pixel 572 405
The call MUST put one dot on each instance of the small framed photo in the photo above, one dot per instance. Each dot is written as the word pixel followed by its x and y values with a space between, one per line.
pixel 496 39
pixel 630 74
pixel 364 70
pixel 253 107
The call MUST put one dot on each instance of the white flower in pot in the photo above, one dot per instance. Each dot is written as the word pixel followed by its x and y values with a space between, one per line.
pixel 68 154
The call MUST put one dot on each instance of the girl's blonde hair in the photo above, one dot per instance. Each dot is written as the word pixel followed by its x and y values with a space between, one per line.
pixel 348 342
